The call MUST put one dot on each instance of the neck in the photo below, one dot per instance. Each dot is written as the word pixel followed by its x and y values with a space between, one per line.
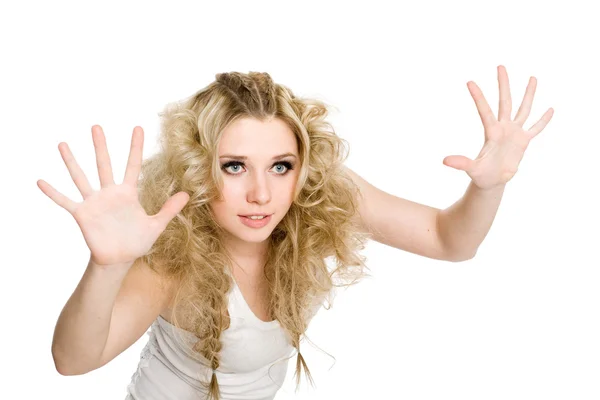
pixel 249 257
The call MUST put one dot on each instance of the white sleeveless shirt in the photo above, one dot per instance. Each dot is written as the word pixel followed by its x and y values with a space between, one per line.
pixel 253 359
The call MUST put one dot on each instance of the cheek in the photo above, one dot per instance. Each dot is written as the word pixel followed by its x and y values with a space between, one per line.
pixel 232 192
pixel 287 195
pixel 230 197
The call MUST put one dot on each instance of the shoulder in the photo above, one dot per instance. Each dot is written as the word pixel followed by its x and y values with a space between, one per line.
pixel 143 296
pixel 152 284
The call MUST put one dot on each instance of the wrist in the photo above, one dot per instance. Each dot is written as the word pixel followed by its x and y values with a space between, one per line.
pixel 499 188
pixel 110 269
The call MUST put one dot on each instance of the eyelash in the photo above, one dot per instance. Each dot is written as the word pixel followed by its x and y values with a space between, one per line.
pixel 288 166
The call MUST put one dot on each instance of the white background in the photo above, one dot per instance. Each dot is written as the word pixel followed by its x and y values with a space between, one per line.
pixel 519 321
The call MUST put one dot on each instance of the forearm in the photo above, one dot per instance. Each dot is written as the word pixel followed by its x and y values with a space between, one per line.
pixel 82 328
pixel 464 225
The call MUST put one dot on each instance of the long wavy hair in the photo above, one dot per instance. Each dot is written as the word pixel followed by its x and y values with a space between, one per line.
pixel 320 223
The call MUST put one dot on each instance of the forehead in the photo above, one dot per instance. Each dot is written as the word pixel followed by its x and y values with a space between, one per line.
pixel 249 136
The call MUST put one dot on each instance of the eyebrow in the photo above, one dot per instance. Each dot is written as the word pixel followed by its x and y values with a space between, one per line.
pixel 235 157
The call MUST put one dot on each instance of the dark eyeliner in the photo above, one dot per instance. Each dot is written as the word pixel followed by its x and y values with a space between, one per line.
pixel 230 164
pixel 288 165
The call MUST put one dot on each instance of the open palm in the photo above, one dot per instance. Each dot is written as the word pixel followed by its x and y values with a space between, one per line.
pixel 115 226
pixel 505 139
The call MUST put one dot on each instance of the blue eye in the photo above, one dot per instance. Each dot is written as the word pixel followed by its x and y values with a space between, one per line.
pixel 229 167
pixel 281 168
pixel 286 164
pixel 235 167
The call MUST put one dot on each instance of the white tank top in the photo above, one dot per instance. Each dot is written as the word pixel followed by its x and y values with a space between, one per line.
pixel 253 359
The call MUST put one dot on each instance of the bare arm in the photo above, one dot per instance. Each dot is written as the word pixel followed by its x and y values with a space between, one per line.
pixel 464 225
pixel 400 223
pixel 82 327
pixel 107 313
pixel 115 301
pixel 455 233
pixel 452 234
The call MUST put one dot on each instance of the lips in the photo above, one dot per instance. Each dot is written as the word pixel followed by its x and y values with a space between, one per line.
pixel 255 223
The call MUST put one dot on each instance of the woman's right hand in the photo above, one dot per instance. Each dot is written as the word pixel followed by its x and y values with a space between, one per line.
pixel 115 226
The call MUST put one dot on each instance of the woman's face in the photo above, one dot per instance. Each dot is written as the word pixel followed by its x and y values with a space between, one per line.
pixel 259 165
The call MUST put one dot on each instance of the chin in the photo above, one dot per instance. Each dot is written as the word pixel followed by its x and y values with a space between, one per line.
pixel 250 235
pixel 254 237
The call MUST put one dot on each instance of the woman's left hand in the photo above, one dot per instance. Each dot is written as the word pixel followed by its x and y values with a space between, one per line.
pixel 505 139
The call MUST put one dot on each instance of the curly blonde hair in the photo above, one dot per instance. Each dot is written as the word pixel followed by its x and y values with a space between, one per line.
pixel 320 223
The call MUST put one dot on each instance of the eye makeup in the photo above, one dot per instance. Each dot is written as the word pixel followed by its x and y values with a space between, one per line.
pixel 227 165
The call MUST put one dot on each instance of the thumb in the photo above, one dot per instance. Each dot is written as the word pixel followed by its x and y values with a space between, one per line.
pixel 461 163
pixel 171 208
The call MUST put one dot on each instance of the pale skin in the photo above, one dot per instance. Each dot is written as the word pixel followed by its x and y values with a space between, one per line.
pixel 261 183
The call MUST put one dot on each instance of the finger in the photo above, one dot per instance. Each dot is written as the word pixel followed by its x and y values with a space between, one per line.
pixel 102 158
pixel 134 162
pixel 505 103
pixel 170 209
pixel 525 108
pixel 75 171
pixel 461 163
pixel 56 196
pixel 483 108
pixel 541 124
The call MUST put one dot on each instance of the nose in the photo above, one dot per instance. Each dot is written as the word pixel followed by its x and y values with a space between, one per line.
pixel 259 190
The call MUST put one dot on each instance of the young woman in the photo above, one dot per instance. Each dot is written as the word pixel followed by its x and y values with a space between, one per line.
pixel 221 246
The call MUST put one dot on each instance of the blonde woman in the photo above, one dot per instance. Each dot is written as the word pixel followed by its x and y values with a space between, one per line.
pixel 220 242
